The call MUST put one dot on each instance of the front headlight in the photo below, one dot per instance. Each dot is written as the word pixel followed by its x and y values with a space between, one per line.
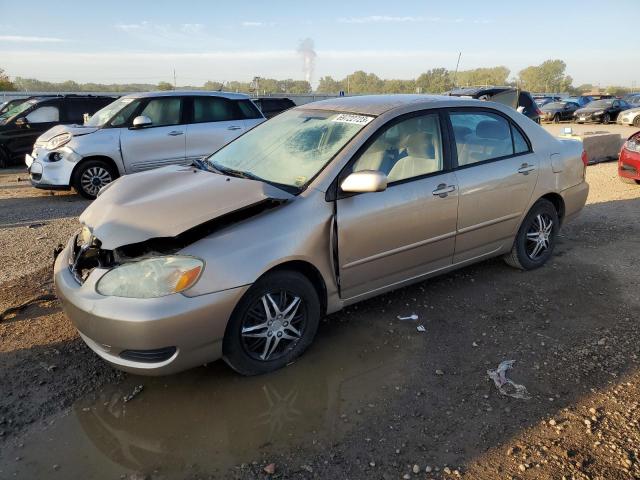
pixel 151 277
pixel 599 112
pixel 58 141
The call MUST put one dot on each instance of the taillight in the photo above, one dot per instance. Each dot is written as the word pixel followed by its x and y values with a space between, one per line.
pixel 585 159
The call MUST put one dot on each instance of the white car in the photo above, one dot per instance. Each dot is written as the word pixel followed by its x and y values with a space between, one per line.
pixel 138 132
pixel 629 117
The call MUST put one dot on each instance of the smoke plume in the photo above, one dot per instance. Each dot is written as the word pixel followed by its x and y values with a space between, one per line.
pixel 308 54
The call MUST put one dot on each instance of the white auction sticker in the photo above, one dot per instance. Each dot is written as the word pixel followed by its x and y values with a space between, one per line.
pixel 351 118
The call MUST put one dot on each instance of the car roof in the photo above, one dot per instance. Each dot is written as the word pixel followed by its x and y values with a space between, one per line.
pixel 189 93
pixel 379 104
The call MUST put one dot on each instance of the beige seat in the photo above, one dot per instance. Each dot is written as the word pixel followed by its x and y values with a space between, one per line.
pixel 492 139
pixel 424 156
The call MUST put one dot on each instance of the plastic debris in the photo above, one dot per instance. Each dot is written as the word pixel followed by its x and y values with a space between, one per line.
pixel 412 317
pixel 132 395
pixel 421 328
pixel 506 386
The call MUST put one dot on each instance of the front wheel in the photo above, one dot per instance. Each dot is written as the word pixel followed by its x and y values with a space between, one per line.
pixel 273 323
pixel 636 121
pixel 91 176
pixel 606 119
pixel 536 237
pixel 556 118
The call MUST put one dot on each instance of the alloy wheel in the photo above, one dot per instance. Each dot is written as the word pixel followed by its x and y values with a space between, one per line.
pixel 273 325
pixel 94 178
pixel 539 236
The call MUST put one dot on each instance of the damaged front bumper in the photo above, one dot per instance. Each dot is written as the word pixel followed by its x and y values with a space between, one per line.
pixel 150 336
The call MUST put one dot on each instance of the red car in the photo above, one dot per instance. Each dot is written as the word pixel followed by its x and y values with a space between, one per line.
pixel 629 160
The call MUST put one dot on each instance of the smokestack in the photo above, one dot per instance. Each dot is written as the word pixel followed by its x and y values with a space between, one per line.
pixel 308 54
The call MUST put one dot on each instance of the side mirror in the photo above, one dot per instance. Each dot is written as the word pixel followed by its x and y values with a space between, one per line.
pixel 22 122
pixel 141 122
pixel 364 181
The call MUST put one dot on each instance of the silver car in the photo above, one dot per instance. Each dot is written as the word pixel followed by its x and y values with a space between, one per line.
pixel 629 117
pixel 138 132
pixel 321 207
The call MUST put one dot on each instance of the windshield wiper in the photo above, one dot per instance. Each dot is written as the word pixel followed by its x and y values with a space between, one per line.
pixel 250 176
pixel 199 164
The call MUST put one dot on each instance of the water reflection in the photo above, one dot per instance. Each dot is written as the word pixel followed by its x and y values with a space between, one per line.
pixel 213 419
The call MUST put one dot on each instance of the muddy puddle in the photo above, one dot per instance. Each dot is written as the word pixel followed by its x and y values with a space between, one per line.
pixel 209 419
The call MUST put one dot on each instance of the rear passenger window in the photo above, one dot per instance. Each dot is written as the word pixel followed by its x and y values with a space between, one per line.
pixel 482 136
pixel 410 148
pixel 213 109
pixel 163 111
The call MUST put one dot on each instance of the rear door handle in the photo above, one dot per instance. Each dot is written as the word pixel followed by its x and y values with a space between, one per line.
pixel 443 190
pixel 234 127
pixel 175 133
pixel 525 168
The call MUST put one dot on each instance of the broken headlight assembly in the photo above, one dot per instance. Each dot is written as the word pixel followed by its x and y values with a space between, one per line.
pixel 151 277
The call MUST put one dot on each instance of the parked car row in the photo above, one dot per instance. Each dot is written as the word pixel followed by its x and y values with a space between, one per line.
pixel 585 108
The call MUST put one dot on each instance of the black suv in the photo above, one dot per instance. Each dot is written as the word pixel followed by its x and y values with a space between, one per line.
pixel 513 97
pixel 24 123
pixel 272 106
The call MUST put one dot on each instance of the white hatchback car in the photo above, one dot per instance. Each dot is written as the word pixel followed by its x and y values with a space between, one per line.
pixel 138 132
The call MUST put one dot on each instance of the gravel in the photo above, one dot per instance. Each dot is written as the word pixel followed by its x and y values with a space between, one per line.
pixel 32 223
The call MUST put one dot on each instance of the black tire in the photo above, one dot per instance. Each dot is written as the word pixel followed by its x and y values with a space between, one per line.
pixel 246 343
pixel 522 255
pixel 97 172
pixel 606 119
pixel 556 118
pixel 636 121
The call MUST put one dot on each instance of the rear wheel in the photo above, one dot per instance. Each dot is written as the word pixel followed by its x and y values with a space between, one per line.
pixel 273 324
pixel 4 160
pixel 91 176
pixel 536 237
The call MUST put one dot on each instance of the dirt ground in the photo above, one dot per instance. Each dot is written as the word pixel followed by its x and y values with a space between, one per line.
pixel 372 398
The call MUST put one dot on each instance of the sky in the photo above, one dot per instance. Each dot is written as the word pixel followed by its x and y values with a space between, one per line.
pixel 144 41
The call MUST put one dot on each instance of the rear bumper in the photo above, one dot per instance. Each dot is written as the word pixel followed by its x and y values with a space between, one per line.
pixel 574 199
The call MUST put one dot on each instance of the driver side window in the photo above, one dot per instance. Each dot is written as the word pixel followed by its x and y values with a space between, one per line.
pixel 163 111
pixel 44 115
pixel 407 149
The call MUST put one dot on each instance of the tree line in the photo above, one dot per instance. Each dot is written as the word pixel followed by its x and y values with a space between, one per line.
pixel 549 76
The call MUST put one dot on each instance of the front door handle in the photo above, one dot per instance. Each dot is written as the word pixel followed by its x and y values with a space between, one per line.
pixel 443 190
pixel 234 127
pixel 525 168
pixel 175 133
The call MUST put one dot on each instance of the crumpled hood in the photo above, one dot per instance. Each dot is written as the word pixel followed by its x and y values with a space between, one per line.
pixel 75 130
pixel 168 201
